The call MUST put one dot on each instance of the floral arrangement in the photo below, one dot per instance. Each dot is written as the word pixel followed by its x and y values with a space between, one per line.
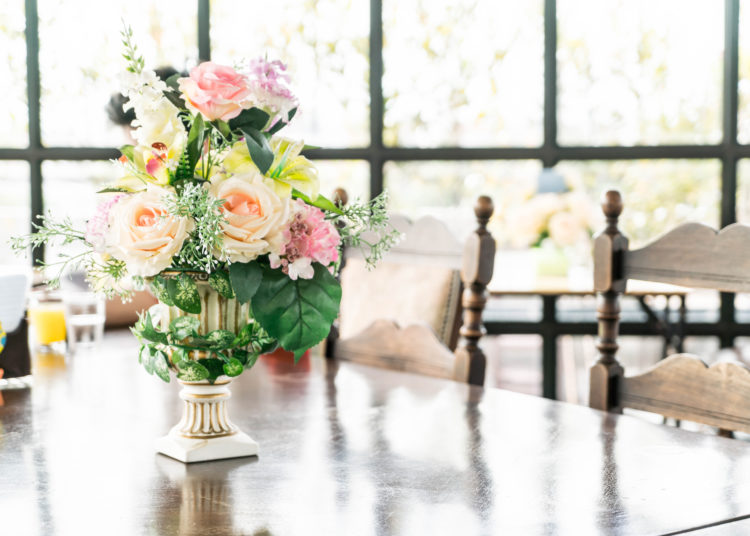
pixel 560 220
pixel 211 188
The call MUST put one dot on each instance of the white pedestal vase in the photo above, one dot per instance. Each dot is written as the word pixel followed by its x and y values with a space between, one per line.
pixel 205 431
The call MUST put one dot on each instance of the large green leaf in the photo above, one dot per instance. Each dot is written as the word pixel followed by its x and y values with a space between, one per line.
pixel 297 313
pixel 245 278
pixel 233 368
pixel 195 141
pixel 159 289
pixel 219 281
pixel 184 293
pixel 252 118
pixel 257 145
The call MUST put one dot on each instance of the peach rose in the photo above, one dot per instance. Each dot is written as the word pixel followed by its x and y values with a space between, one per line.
pixel 216 91
pixel 143 234
pixel 255 217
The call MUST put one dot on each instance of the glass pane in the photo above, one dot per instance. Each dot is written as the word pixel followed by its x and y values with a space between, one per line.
pixel 326 46
pixel 13 109
pixel 79 75
pixel 466 73
pixel 633 79
pixel 448 190
pixel 658 194
pixel 70 191
pixel 743 123
pixel 351 175
pixel 743 191
pixel 15 209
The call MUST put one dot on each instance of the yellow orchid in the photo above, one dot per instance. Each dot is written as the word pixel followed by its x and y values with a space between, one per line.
pixel 289 170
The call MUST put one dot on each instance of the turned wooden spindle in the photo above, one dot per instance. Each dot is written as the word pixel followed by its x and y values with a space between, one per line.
pixel 609 282
pixel 476 273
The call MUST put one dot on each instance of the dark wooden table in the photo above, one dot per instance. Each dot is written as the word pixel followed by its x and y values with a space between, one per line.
pixel 350 450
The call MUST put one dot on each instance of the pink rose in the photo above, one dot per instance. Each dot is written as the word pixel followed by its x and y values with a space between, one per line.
pixel 216 91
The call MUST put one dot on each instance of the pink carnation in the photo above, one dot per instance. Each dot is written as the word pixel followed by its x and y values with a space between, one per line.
pixel 98 225
pixel 271 91
pixel 310 238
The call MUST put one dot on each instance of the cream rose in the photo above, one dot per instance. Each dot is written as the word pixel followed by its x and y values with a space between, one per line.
pixel 255 217
pixel 143 234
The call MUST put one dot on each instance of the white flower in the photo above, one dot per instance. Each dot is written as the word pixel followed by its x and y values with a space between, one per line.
pixel 255 217
pixel 143 234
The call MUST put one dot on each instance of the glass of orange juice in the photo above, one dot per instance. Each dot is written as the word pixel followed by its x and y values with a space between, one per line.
pixel 47 317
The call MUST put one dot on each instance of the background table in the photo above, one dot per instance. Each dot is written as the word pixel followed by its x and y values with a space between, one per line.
pixel 665 322
pixel 349 450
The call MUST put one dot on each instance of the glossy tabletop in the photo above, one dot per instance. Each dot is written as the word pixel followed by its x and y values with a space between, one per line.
pixel 350 450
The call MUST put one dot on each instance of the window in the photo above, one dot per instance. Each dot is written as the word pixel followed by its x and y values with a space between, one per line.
pixel 437 100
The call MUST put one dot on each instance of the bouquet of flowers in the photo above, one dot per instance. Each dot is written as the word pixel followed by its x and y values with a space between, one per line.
pixel 213 204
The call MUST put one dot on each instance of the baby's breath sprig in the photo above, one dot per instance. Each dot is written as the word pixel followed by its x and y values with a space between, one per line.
pixel 365 226
pixel 194 201
pixel 135 60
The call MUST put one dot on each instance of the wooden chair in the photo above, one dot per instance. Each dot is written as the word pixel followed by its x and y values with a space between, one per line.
pixel 680 386
pixel 407 313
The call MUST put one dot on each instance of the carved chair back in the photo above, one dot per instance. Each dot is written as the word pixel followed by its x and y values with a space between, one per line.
pixel 409 312
pixel 681 386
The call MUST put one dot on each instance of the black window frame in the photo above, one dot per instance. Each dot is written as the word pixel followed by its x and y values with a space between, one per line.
pixel 728 152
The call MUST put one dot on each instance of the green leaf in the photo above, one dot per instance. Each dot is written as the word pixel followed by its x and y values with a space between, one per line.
pixel 223 127
pixel 254 118
pixel 144 329
pixel 114 190
pixel 178 355
pixel 245 278
pixel 297 313
pixel 146 357
pixel 233 368
pixel 260 151
pixel 240 355
pixel 175 98
pixel 160 364
pixel 214 366
pixel 159 290
pixel 183 327
pixel 252 359
pixel 219 281
pixel 281 124
pixel 321 202
pixel 220 338
pixel 195 141
pixel 184 293
pixel 245 335
pixel 172 81
pixel 128 151
pixel 191 371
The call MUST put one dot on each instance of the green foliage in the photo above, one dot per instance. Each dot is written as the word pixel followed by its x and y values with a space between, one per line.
pixel 233 367
pixel 358 218
pixel 220 339
pixel 184 293
pixel 144 330
pixel 183 327
pixel 281 124
pixel 219 281
pixel 245 278
pixel 158 288
pixel 322 202
pixel 194 201
pixel 297 313
pixel 254 118
pixel 195 142
pixel 135 60
pixel 191 371
pixel 257 145
pixel 128 152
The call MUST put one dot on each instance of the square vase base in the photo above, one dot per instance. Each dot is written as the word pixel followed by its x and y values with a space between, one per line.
pixel 189 450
